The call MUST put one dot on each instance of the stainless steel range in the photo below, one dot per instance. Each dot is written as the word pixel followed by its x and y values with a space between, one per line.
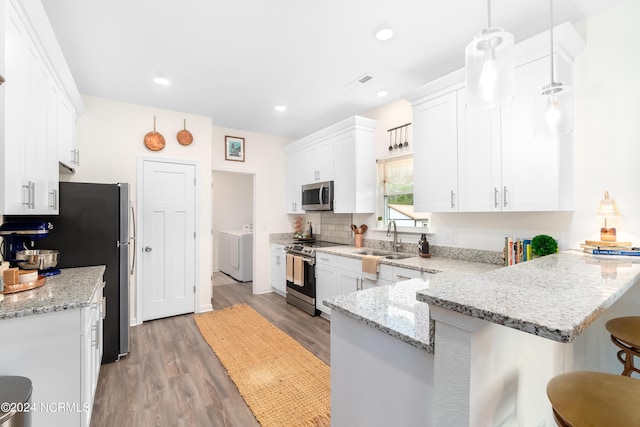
pixel 301 274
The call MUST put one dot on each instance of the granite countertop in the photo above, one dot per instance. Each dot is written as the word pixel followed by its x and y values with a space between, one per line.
pixel 72 288
pixel 394 309
pixel 555 297
pixel 415 262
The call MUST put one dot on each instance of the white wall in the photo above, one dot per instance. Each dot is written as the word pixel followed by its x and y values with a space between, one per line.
pixel 265 159
pixel 232 197
pixel 110 138
pixel 607 109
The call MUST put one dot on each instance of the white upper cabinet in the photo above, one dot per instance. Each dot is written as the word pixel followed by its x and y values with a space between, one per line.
pixel 435 172
pixel 489 160
pixel 31 131
pixel 343 153
pixel 317 163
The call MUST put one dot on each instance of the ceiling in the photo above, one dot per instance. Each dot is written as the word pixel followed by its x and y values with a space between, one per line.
pixel 234 61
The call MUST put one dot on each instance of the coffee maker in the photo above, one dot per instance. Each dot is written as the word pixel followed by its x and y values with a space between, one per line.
pixel 18 238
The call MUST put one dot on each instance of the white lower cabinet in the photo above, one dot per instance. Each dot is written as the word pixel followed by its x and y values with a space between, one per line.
pixel 338 275
pixel 326 279
pixel 278 268
pixel 60 352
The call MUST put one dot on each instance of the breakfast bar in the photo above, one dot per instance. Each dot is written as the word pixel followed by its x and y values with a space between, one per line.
pixel 497 338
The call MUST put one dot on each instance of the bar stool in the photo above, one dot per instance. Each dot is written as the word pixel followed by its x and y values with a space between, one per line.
pixel 594 399
pixel 625 333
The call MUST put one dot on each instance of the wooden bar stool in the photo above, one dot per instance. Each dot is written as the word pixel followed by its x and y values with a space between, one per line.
pixel 594 399
pixel 625 333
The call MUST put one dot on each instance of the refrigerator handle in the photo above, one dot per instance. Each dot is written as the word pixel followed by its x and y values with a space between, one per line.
pixel 133 220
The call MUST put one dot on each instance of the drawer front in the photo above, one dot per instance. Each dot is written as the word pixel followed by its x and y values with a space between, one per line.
pixel 326 259
pixel 400 274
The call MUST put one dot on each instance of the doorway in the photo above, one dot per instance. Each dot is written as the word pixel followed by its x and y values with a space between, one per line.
pixel 167 247
pixel 233 205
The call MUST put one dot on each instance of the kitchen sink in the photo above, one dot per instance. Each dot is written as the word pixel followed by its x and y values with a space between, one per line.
pixel 398 256
pixel 372 252
pixel 386 254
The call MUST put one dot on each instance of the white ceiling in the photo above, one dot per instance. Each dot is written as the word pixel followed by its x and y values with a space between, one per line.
pixel 235 60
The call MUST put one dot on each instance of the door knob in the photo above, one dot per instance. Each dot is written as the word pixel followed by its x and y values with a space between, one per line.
pixel 148 249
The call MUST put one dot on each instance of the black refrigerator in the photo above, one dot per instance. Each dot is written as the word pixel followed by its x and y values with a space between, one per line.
pixel 92 228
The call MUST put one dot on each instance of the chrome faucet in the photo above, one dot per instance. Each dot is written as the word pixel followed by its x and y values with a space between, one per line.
pixel 396 244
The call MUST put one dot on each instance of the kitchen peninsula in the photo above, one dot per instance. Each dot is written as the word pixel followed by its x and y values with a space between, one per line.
pixel 53 336
pixel 497 338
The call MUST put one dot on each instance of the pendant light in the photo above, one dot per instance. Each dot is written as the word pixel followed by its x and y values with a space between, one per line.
pixel 553 103
pixel 489 72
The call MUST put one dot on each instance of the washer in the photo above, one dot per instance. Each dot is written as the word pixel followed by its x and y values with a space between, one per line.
pixel 236 253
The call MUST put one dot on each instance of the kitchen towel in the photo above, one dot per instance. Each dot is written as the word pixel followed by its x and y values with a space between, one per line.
pixel 370 266
pixel 298 271
pixel 289 268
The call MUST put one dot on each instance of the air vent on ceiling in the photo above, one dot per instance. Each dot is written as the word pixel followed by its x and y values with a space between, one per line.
pixel 359 81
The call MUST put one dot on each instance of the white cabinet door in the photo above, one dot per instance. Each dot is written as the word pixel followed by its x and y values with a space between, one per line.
pixel 348 281
pixel 317 163
pixel 324 155
pixel 326 280
pixel 67 152
pixel 435 156
pixel 479 158
pixel 294 186
pixel 278 268
pixel 537 172
pixel 29 172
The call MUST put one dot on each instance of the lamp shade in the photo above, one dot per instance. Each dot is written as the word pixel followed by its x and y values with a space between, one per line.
pixel 607 208
pixel 489 72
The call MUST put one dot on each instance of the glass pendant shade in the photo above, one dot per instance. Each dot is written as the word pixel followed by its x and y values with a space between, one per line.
pixel 489 72
pixel 553 114
pixel 553 105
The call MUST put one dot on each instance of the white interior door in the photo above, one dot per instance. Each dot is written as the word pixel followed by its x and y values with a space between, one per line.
pixel 168 247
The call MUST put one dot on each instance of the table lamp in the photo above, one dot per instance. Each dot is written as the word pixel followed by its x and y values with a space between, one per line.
pixel 607 209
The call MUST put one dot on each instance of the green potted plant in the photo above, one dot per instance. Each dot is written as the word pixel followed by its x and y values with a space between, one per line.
pixel 542 245
pixel 380 223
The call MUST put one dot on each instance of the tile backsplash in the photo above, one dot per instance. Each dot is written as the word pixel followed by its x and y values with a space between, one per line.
pixel 336 227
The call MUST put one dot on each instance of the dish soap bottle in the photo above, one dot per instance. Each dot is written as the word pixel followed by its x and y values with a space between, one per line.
pixel 423 247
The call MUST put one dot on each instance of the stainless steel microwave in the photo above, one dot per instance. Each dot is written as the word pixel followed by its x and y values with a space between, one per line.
pixel 318 196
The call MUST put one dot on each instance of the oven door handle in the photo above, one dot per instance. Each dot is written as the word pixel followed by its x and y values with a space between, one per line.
pixel 308 260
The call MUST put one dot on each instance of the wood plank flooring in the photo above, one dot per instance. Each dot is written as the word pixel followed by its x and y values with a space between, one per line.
pixel 172 377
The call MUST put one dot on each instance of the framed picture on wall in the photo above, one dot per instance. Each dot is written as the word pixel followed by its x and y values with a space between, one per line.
pixel 234 148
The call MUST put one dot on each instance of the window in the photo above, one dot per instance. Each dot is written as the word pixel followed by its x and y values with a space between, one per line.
pixel 395 192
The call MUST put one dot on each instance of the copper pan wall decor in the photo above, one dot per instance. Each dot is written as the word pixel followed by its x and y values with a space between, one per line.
pixel 153 140
pixel 184 137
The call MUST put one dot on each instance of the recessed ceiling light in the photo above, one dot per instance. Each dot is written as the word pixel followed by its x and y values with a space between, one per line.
pixel 382 93
pixel 384 33
pixel 281 108
pixel 163 81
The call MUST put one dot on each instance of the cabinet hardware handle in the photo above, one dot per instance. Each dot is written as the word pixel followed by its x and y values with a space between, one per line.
pixel 77 157
pixel 504 194
pixel 495 197
pixel 453 196
pixel 400 276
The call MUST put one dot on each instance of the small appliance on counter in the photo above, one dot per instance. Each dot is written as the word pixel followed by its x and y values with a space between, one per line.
pixel 18 238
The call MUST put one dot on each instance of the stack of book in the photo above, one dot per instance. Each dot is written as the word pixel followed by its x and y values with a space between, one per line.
pixel 597 247
pixel 516 250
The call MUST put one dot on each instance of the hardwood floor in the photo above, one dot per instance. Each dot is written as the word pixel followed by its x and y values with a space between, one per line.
pixel 172 378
